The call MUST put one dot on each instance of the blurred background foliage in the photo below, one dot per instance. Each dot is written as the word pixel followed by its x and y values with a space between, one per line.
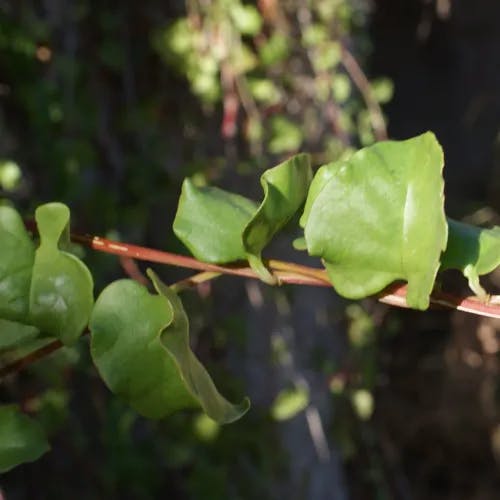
pixel 107 106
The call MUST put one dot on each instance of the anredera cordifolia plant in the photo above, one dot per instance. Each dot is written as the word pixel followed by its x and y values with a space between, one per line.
pixel 373 219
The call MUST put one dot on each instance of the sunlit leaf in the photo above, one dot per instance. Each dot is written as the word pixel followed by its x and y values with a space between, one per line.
pixel 341 88
pixel 140 345
pixel 21 438
pixel 61 297
pixel 246 19
pixel 363 403
pixel 378 217
pixel 289 403
pixel 326 56
pixel 285 189
pixel 17 255
pixel 286 136
pixel 473 250
pixel 383 89
pixel 264 90
pixel 10 175
pixel 210 222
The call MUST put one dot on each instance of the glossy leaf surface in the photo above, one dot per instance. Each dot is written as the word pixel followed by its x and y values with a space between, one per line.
pixel 210 221
pixel 473 250
pixel 61 296
pixel 140 346
pixel 17 255
pixel 285 189
pixel 378 217
pixel 21 438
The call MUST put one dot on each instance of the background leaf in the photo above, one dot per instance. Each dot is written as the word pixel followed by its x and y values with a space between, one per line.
pixel 289 402
pixel 473 250
pixel 210 221
pixel 17 255
pixel 14 334
pixel 61 296
pixel 21 438
pixel 285 189
pixel 140 346
pixel 379 217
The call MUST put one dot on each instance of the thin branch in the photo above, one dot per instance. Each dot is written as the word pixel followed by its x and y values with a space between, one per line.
pixel 287 272
pixel 361 81
pixel 30 358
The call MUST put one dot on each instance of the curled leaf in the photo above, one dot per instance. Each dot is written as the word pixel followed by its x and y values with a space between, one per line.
pixel 473 250
pixel 219 227
pixel 285 189
pixel 140 345
pixel 61 296
pixel 379 217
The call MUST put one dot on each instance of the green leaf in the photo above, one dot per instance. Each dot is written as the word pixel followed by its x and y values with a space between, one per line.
pixel 10 175
pixel 21 438
pixel 13 334
pixel 61 297
pixel 473 250
pixel 285 189
pixel 246 19
pixel 17 255
pixel 286 136
pixel 289 403
pixel 378 217
pixel 264 90
pixel 140 346
pixel 275 50
pixel 176 340
pixel 210 221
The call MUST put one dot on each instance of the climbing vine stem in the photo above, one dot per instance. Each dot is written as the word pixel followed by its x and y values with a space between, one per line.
pixel 286 272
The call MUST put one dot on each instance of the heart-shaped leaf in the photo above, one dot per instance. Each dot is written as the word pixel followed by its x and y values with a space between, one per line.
pixel 17 255
pixel 379 217
pixel 140 345
pixel 473 250
pixel 21 438
pixel 210 221
pixel 61 296
pixel 285 189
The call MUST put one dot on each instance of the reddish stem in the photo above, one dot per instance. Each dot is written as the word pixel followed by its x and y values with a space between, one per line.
pixel 287 272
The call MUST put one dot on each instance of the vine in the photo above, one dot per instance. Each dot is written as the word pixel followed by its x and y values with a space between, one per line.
pixel 375 219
